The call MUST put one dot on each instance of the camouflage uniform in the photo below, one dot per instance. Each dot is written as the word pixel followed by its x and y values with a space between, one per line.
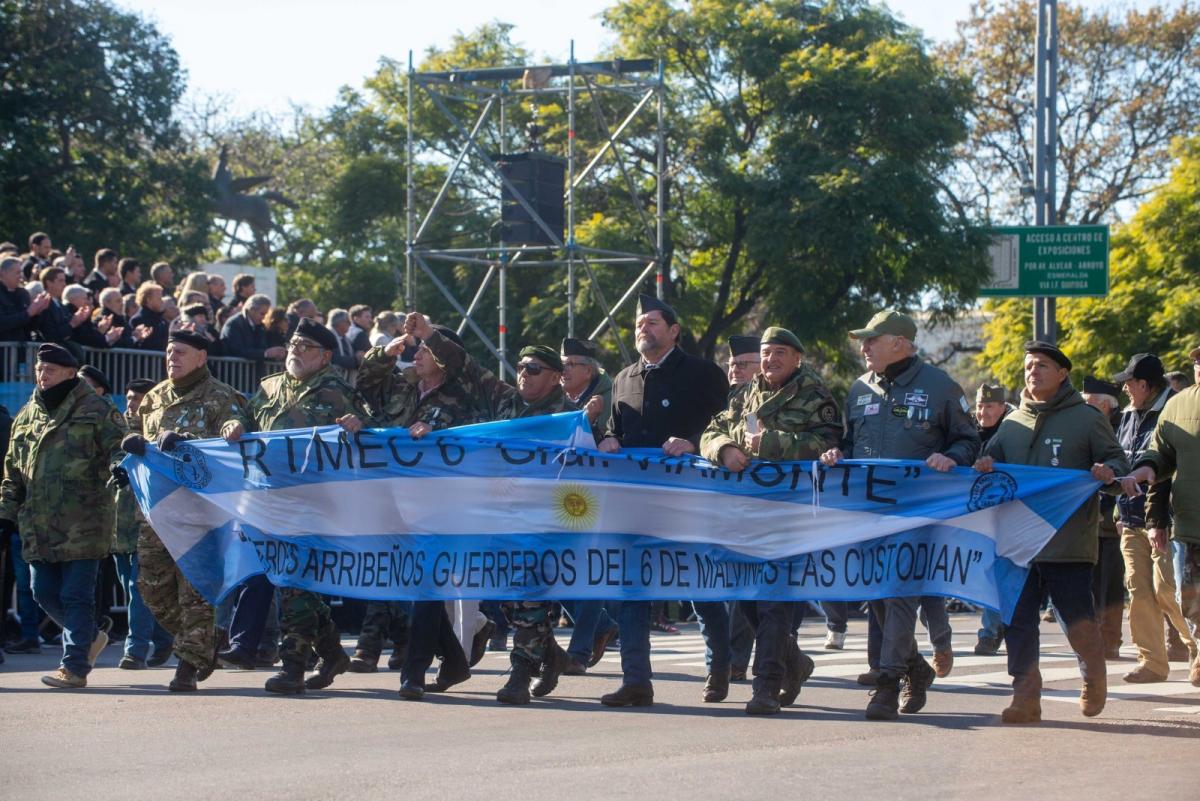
pixel 395 401
pixel 533 629
pixel 54 492
pixel 799 420
pixel 283 402
pixel 195 406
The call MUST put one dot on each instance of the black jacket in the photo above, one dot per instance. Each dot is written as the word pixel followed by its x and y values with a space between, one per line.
pixel 96 282
pixel 677 398
pixel 1135 432
pixel 159 326
pixel 14 319
pixel 241 338
pixel 86 334
pixel 54 324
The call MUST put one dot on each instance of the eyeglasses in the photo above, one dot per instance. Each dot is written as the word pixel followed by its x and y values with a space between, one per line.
pixel 530 368
pixel 574 364
pixel 301 346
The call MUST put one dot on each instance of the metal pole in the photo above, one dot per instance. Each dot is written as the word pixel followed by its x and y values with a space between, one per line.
pixel 502 267
pixel 571 194
pixel 409 299
pixel 661 190
pixel 1045 326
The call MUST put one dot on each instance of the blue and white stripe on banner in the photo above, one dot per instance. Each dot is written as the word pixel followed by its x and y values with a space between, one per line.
pixel 529 509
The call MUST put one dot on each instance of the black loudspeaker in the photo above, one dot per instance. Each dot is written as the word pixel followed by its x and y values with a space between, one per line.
pixel 541 180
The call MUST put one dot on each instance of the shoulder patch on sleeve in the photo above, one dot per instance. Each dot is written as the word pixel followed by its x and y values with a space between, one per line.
pixel 829 413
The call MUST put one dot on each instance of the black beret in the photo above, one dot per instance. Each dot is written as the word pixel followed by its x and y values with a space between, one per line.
pixel 1096 386
pixel 741 345
pixel 649 303
pixel 317 333
pixel 56 354
pixel 190 338
pixel 545 354
pixel 191 310
pixel 141 385
pixel 578 347
pixel 1046 349
pixel 93 373
pixel 450 334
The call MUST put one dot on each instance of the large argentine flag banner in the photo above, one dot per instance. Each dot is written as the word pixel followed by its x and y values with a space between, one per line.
pixel 529 509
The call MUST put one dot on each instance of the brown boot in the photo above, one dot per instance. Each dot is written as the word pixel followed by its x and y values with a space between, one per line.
pixel 1023 709
pixel 1092 696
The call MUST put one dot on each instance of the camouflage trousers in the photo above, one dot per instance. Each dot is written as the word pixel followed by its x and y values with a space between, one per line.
pixel 533 631
pixel 174 602
pixel 306 626
pixel 384 620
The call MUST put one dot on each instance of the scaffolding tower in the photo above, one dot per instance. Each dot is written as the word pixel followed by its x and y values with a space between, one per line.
pixel 488 94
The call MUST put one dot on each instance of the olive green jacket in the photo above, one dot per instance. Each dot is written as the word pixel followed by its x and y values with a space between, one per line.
pixel 1175 452
pixel 56 474
pixel 283 402
pixel 1062 432
pixel 800 420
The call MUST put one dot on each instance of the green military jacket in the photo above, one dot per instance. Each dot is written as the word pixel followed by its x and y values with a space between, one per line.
pixel 800 420
pixel 395 397
pixel 129 518
pixel 1175 451
pixel 198 409
pixel 56 474
pixel 1062 432
pixel 283 402
pixel 513 407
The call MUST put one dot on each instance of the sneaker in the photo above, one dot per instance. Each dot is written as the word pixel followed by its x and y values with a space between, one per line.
pixel 98 645
pixel 131 663
pixel 835 640
pixel 26 646
pixel 64 679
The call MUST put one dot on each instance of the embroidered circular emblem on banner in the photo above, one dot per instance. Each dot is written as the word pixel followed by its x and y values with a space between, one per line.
pixel 575 506
pixel 991 489
pixel 190 468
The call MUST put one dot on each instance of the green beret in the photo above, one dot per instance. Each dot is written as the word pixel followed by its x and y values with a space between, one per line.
pixel 781 336
pixel 888 322
pixel 547 356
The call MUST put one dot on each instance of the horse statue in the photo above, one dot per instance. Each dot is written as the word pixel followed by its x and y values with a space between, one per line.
pixel 233 204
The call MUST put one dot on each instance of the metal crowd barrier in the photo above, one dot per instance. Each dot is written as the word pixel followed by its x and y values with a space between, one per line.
pixel 122 365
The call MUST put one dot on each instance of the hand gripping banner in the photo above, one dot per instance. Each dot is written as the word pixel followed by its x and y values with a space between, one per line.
pixel 529 509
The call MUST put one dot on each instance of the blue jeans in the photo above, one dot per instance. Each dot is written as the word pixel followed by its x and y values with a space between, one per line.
pixel 634 620
pixel 144 630
pixel 67 591
pixel 990 624
pixel 836 615
pixel 1069 588
pixel 714 628
pixel 27 608
pixel 590 618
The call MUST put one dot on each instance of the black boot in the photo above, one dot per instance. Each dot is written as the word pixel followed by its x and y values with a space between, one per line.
pixel 799 667
pixel 553 665
pixel 334 660
pixel 290 680
pixel 763 702
pixel 885 698
pixel 716 687
pixel 917 681
pixel 516 691
pixel 185 678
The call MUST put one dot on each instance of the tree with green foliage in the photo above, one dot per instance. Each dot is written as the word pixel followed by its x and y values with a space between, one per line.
pixel 1154 302
pixel 90 149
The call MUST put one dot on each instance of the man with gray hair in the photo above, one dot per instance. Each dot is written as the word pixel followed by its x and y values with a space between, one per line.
pixel 244 335
pixel 344 357
pixel 17 308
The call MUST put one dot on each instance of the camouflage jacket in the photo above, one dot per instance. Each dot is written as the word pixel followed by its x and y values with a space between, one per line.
pixel 513 407
pixel 56 474
pixel 800 420
pixel 395 397
pixel 198 411
pixel 282 402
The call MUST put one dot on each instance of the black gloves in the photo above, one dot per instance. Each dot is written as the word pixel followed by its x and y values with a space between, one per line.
pixel 119 476
pixel 135 444
pixel 167 440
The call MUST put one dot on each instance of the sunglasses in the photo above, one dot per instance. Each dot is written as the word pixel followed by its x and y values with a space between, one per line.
pixel 530 368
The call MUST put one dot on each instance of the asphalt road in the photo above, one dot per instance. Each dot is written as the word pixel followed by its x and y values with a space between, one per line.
pixel 125 737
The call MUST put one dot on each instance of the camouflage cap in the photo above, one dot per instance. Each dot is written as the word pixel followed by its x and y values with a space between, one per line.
pixel 549 356
pixel 989 393
pixel 888 321
pixel 781 336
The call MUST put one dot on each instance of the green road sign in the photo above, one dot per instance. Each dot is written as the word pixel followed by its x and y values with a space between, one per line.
pixel 1048 260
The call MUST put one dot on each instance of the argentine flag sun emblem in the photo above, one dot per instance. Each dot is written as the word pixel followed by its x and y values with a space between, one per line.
pixel 575 506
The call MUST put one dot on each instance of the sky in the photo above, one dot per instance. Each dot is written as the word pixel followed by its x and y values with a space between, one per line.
pixel 264 55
